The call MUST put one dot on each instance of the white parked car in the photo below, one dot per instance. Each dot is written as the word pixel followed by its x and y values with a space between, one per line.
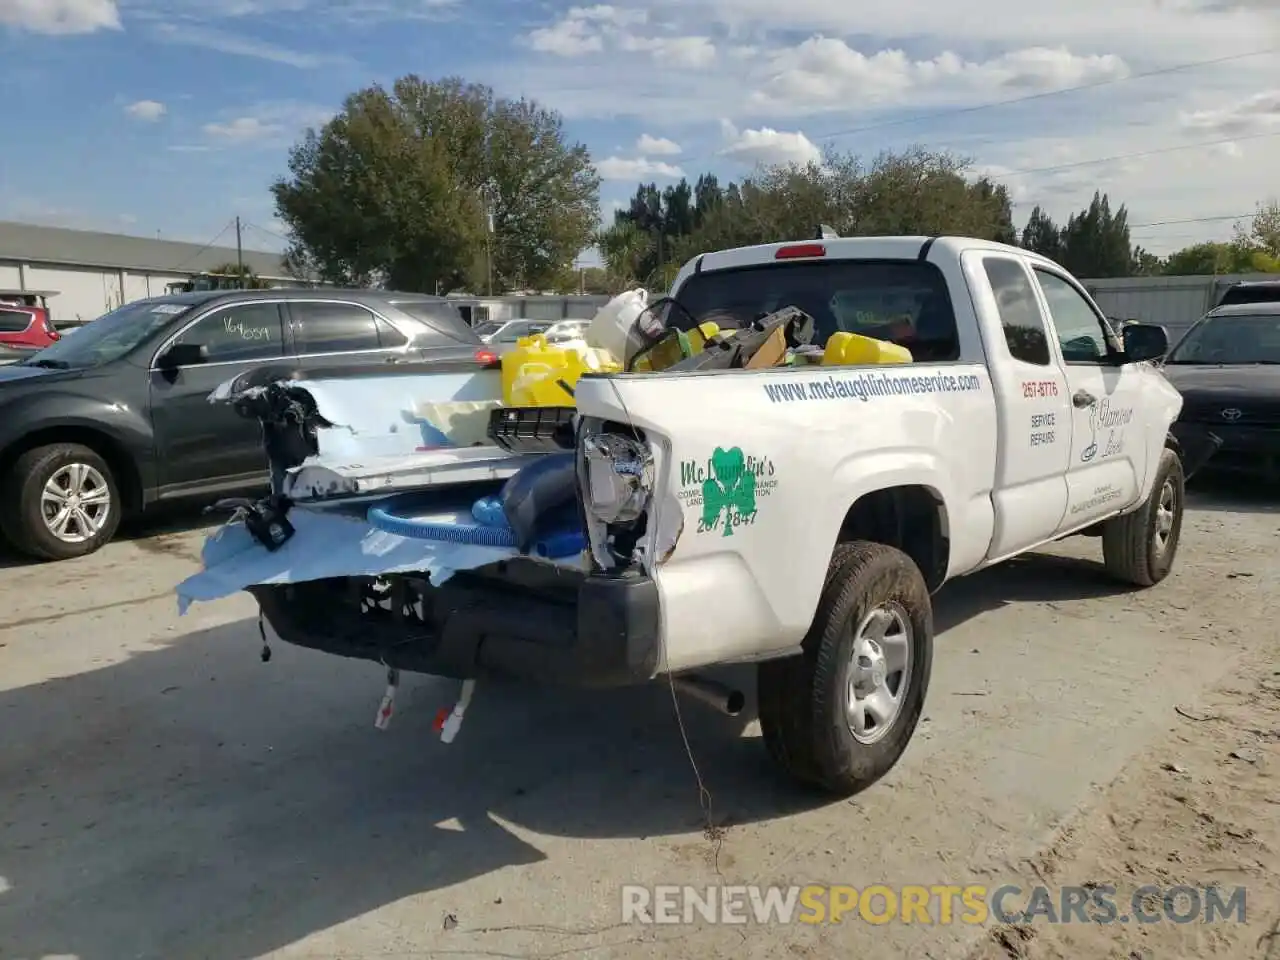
pixel 502 335
pixel 799 517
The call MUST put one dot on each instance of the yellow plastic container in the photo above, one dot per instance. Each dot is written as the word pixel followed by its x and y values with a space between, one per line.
pixel 673 350
pixel 533 371
pixel 852 349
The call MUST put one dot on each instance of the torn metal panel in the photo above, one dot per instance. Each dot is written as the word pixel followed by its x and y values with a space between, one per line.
pixel 321 478
pixel 331 544
pixel 381 413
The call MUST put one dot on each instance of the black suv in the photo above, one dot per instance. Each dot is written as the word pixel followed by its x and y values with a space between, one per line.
pixel 114 419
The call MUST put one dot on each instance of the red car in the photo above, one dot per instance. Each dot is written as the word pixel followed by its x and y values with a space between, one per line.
pixel 25 323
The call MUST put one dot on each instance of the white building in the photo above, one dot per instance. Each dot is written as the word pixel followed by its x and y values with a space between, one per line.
pixel 90 273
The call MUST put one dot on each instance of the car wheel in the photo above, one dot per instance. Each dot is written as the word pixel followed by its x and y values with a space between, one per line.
pixel 839 715
pixel 60 501
pixel 1139 547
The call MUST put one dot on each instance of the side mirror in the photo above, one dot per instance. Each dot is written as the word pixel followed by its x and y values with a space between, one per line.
pixel 183 355
pixel 1144 341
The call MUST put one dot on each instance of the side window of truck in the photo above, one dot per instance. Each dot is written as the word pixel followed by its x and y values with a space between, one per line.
pixel 1020 317
pixel 1080 329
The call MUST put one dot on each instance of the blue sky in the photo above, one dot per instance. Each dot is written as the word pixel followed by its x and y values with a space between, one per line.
pixel 173 116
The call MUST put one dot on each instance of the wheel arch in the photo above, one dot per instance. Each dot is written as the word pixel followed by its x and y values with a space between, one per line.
pixel 124 467
pixel 911 517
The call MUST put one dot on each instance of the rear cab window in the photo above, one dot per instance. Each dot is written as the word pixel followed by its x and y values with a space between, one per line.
pixel 906 302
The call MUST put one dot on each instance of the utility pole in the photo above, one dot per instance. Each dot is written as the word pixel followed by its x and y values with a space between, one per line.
pixel 486 197
pixel 239 258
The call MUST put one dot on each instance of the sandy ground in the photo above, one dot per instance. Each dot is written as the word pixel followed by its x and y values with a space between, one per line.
pixel 165 794
pixel 1200 809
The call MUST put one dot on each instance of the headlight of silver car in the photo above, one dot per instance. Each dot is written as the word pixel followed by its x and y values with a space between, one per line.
pixel 619 477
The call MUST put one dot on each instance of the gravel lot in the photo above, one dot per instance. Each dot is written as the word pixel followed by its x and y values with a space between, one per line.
pixel 165 794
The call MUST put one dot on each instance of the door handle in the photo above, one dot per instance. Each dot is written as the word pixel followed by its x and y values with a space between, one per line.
pixel 1083 399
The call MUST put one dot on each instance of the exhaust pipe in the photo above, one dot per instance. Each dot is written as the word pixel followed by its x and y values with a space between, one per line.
pixel 725 699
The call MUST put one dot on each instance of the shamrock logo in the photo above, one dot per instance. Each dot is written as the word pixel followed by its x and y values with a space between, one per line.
pixel 730 490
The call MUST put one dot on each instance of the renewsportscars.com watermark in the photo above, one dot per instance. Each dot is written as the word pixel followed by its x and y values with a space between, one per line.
pixel 939 904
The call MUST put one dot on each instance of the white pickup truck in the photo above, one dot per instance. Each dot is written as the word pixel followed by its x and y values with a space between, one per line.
pixel 803 516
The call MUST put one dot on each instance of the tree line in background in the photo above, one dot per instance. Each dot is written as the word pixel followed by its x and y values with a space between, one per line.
pixel 434 186
pixel 915 193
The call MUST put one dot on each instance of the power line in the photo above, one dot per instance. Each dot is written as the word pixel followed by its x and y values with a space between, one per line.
pixel 1219 219
pixel 1135 155
pixel 266 232
pixel 218 236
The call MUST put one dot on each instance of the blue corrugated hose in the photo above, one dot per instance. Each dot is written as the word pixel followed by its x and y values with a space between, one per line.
pixel 396 516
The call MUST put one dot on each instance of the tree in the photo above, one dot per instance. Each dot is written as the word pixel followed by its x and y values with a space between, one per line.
pixel 626 249
pixel 1264 231
pixel 1220 258
pixel 1041 235
pixel 1095 242
pixel 917 191
pixel 247 278
pixel 1146 264
pixel 1201 258
pixel 400 186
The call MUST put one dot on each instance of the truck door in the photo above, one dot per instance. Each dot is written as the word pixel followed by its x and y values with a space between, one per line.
pixel 1108 447
pixel 1033 407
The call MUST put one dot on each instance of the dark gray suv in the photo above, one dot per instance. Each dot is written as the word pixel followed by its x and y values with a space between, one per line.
pixel 115 419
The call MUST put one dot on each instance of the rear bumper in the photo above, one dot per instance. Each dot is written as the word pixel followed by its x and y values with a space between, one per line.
pixel 1230 448
pixel 516 618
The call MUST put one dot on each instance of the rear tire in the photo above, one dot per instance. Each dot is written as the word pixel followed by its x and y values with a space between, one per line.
pixel 1139 548
pixel 58 502
pixel 873 626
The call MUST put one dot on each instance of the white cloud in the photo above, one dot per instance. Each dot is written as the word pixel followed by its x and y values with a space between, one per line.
pixel 271 123
pixel 768 146
pixel 60 17
pixel 588 30
pixel 691 52
pixel 656 146
pixel 148 111
pixel 825 72
pixel 1166 28
pixel 241 129
pixel 1254 115
pixel 239 45
pixel 355 12
pixel 639 168
pixel 583 30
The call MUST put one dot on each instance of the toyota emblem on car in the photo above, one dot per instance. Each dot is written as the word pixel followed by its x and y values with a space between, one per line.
pixel 1232 413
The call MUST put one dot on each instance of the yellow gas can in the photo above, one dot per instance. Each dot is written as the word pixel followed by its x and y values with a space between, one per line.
pixel 852 349
pixel 535 374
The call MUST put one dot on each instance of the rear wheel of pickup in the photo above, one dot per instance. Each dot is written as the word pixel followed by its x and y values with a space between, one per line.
pixel 1139 547
pixel 839 715
pixel 59 502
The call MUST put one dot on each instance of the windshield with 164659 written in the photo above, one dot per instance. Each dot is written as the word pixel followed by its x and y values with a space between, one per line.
pixel 109 337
